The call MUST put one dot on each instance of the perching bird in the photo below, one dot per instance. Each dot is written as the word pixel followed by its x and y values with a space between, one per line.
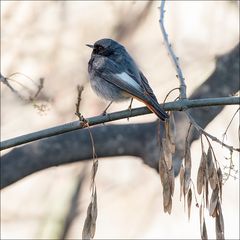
pixel 115 76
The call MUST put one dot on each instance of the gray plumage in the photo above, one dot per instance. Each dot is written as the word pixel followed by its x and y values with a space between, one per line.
pixel 115 76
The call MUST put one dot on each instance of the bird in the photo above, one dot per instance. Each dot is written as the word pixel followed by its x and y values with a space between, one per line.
pixel 115 76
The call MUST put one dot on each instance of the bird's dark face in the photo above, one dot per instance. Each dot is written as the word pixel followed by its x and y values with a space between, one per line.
pixel 104 47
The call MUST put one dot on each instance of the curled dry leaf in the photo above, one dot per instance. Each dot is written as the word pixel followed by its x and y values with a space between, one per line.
pixel 188 166
pixel 189 202
pixel 213 202
pixel 212 173
pixel 204 230
pixel 201 173
pixel 219 222
pixel 181 180
pixel 90 221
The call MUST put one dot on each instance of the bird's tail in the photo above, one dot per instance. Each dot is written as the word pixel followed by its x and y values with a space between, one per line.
pixel 156 108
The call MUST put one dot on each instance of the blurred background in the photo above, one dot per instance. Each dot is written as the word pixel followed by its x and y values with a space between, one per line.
pixel 46 39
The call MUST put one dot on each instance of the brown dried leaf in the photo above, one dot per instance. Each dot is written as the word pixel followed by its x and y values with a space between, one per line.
pixel 220 179
pixel 204 231
pixel 212 174
pixel 206 193
pixel 181 180
pixel 188 166
pixel 163 171
pixel 168 208
pixel 210 161
pixel 201 216
pixel 90 221
pixel 201 173
pixel 167 180
pixel 172 131
pixel 171 180
pixel 166 145
pixel 214 201
pixel 219 223
pixel 214 213
pixel 214 179
pixel 189 202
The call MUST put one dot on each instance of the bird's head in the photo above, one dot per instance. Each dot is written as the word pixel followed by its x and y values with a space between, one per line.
pixel 105 47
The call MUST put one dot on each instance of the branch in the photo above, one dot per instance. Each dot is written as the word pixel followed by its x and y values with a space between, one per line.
pixel 182 81
pixel 172 55
pixel 139 140
pixel 171 106
pixel 201 130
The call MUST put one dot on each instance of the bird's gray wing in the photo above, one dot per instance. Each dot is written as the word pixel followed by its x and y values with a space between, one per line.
pixel 135 73
pixel 111 72
pixel 146 86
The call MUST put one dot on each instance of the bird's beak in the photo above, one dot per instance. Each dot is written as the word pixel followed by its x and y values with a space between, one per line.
pixel 89 45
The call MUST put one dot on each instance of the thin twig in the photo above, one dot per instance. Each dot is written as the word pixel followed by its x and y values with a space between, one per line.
pixel 30 99
pixel 200 130
pixel 169 94
pixel 90 221
pixel 172 55
pixel 225 133
pixel 77 113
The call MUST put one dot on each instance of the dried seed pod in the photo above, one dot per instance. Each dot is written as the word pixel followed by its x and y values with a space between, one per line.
pixel 166 183
pixel 188 166
pixel 219 222
pixel 214 200
pixel 181 180
pixel 220 179
pixel 172 132
pixel 189 202
pixel 90 221
pixel 204 231
pixel 212 173
pixel 201 173
pixel 166 146
pixel 167 180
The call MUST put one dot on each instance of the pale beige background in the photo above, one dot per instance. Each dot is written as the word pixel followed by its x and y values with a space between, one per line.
pixel 47 39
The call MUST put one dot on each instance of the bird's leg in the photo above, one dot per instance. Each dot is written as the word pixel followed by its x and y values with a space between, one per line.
pixel 105 111
pixel 130 107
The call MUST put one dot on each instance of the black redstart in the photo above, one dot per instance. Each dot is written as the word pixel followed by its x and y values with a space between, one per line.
pixel 115 76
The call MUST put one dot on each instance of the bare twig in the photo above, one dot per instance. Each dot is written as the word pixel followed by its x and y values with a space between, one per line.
pixel 30 99
pixel 215 139
pixel 225 133
pixel 90 221
pixel 77 113
pixel 40 87
pixel 169 94
pixel 172 55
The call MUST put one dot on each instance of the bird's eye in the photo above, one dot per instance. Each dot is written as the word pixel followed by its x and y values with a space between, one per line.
pixel 99 48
